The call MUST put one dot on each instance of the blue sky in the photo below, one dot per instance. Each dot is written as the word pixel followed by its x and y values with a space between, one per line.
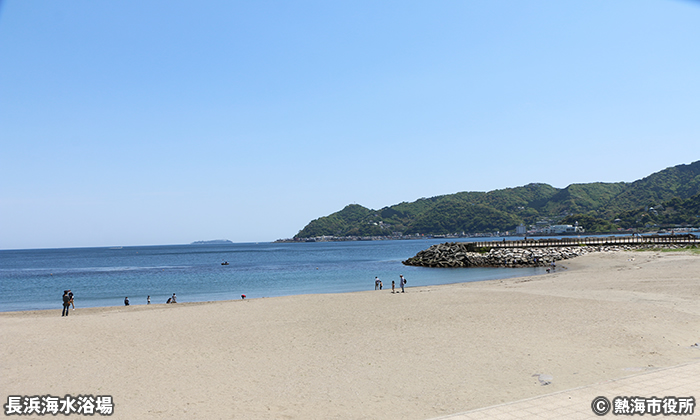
pixel 166 122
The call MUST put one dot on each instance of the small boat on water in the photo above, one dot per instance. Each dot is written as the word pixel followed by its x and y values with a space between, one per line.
pixel 224 263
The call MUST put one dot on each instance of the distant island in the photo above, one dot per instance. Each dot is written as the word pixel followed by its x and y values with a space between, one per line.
pixel 214 242
pixel 668 200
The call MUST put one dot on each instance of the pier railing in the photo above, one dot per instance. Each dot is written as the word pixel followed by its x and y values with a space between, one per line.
pixel 688 239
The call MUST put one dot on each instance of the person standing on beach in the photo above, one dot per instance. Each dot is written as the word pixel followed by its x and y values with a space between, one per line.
pixel 148 300
pixel 381 286
pixel 393 286
pixel 402 281
pixel 66 303
pixel 126 301
pixel 376 283
pixel 70 295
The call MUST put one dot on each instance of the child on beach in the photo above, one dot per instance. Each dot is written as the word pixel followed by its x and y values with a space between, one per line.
pixel 393 286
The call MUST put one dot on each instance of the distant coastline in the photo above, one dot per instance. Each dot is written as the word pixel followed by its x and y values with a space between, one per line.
pixel 213 242
pixel 448 236
pixel 622 232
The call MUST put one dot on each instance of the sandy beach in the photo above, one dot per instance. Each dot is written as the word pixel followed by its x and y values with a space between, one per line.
pixel 426 353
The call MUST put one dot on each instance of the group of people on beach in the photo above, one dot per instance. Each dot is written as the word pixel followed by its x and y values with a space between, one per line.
pixel 172 299
pixel 379 286
pixel 67 302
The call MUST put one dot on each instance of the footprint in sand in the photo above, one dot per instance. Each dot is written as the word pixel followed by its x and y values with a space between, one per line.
pixel 544 379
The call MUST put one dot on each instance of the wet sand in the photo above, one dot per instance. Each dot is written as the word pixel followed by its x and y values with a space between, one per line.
pixel 425 353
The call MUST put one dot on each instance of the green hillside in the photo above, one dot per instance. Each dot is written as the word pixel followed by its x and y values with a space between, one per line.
pixel 599 207
pixel 670 213
pixel 582 198
pixel 682 181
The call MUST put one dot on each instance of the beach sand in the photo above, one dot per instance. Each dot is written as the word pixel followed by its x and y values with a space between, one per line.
pixel 426 353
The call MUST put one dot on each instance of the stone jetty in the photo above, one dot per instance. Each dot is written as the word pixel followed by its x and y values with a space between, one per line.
pixel 458 254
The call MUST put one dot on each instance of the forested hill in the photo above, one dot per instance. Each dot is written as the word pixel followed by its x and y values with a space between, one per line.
pixel 666 198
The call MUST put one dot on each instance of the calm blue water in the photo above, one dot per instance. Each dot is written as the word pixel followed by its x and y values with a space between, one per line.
pixel 35 279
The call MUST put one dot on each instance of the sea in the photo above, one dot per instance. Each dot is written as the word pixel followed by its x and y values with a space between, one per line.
pixel 35 279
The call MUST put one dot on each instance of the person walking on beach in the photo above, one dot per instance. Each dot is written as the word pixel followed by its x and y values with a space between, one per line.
pixel 393 286
pixel 148 300
pixel 66 303
pixel 126 301
pixel 402 281
pixel 376 283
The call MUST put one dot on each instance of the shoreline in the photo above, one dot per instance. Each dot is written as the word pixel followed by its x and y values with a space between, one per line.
pixel 196 302
pixel 141 306
pixel 182 302
pixel 433 351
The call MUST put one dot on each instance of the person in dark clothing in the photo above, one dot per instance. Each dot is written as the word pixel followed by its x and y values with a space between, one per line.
pixel 126 301
pixel 66 303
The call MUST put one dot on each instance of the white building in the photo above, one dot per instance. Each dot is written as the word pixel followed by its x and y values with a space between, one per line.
pixel 562 229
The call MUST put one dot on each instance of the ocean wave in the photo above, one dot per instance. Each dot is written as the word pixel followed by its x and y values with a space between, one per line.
pixel 39 271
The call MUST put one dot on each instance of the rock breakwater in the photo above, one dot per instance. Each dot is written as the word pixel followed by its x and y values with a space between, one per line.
pixel 456 254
